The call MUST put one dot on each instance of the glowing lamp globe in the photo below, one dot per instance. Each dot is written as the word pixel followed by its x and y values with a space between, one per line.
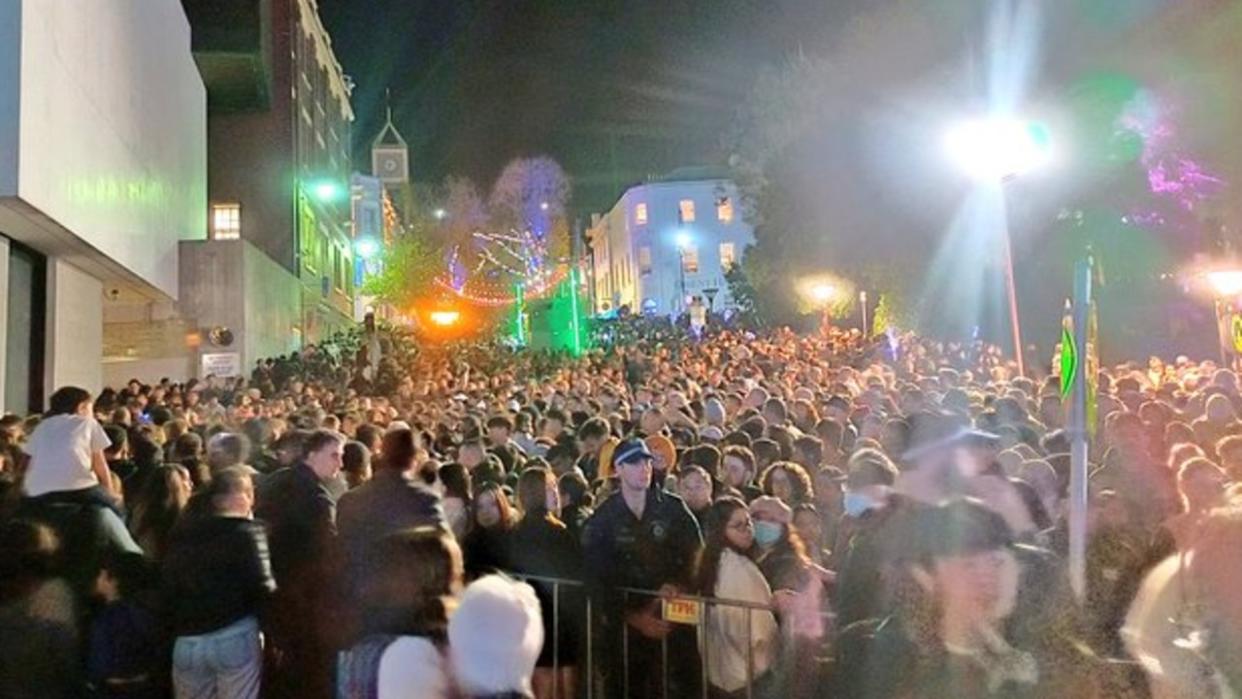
pixel 325 190
pixel 998 149
pixel 366 248
pixel 444 318
pixel 822 293
pixel 1226 282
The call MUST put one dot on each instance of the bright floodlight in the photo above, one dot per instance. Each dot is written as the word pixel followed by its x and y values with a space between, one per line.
pixel 366 248
pixel 683 240
pixel 1226 282
pixel 997 149
pixel 326 190
pixel 822 293
pixel 440 214
pixel 444 318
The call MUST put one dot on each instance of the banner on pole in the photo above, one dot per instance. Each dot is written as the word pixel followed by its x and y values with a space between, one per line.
pixel 1093 369
pixel 1069 358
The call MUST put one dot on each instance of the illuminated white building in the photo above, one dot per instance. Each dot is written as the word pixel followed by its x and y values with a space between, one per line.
pixel 666 241
pixel 103 166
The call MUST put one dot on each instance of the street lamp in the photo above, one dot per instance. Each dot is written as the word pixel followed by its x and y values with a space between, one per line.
pixel 995 151
pixel 326 191
pixel 822 294
pixel 683 244
pixel 444 317
pixel 366 247
pixel 439 214
pixel 862 300
pixel 999 149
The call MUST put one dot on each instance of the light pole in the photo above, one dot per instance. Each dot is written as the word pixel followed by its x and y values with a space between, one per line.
pixel 994 151
pixel 1227 285
pixel 862 300
pixel 683 243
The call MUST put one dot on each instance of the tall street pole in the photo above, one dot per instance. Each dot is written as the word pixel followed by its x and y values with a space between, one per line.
pixel 1011 291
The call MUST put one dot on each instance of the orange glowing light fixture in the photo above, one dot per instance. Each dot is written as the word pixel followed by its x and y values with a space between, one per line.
pixel 444 318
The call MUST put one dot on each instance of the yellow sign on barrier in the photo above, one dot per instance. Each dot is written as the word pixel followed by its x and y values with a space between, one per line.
pixel 683 611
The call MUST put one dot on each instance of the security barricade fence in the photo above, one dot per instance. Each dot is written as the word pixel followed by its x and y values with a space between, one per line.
pixel 577 619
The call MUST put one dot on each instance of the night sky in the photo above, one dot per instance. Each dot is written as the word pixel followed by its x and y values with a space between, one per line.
pixel 613 89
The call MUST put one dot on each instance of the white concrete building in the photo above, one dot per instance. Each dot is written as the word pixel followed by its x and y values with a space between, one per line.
pixel 667 241
pixel 102 174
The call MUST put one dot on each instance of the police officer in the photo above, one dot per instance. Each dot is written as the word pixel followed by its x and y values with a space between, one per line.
pixel 645 538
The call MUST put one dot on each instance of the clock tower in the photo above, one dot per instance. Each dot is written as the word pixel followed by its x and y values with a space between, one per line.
pixel 390 157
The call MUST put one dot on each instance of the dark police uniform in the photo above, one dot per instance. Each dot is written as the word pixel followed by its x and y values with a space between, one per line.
pixel 621 550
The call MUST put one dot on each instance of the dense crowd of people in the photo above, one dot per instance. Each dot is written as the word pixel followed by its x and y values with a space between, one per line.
pixel 735 515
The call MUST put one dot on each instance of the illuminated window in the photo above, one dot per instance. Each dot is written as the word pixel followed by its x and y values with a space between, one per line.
pixel 724 209
pixel 644 260
pixel 728 256
pixel 226 221
pixel 640 214
pixel 690 259
pixel 686 210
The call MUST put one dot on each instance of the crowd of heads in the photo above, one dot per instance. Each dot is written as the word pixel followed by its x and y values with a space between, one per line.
pixel 912 479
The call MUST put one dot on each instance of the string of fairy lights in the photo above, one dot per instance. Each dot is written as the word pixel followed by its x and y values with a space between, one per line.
pixel 516 257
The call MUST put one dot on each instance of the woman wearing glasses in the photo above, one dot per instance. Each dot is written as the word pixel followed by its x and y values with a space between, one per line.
pixel 729 573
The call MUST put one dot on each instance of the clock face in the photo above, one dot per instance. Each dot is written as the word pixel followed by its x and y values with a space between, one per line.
pixel 390 164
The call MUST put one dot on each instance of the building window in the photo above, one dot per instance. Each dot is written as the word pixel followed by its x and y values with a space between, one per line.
pixel 640 214
pixel 728 256
pixel 690 259
pixel 686 210
pixel 644 260
pixel 225 221
pixel 724 209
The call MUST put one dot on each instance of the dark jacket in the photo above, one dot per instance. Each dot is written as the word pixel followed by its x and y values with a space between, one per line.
pixel 216 572
pixel 125 644
pixel 388 503
pixel 620 550
pixel 543 546
pixel 879 659
pixel 300 513
pixel 486 550
pixel 879 542
pixel 575 518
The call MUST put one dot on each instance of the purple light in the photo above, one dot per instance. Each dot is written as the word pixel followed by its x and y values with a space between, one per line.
pixel 1170 172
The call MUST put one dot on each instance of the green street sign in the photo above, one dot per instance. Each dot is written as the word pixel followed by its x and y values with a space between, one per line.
pixel 1069 362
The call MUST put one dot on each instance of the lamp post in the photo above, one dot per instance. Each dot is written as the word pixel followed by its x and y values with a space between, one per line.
pixel 862 300
pixel 995 151
pixel 1226 285
pixel 683 243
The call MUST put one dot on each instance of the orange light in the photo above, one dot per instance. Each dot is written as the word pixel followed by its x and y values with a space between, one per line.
pixel 444 318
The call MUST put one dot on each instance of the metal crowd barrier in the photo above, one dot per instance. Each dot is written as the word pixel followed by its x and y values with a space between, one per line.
pixel 686 609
